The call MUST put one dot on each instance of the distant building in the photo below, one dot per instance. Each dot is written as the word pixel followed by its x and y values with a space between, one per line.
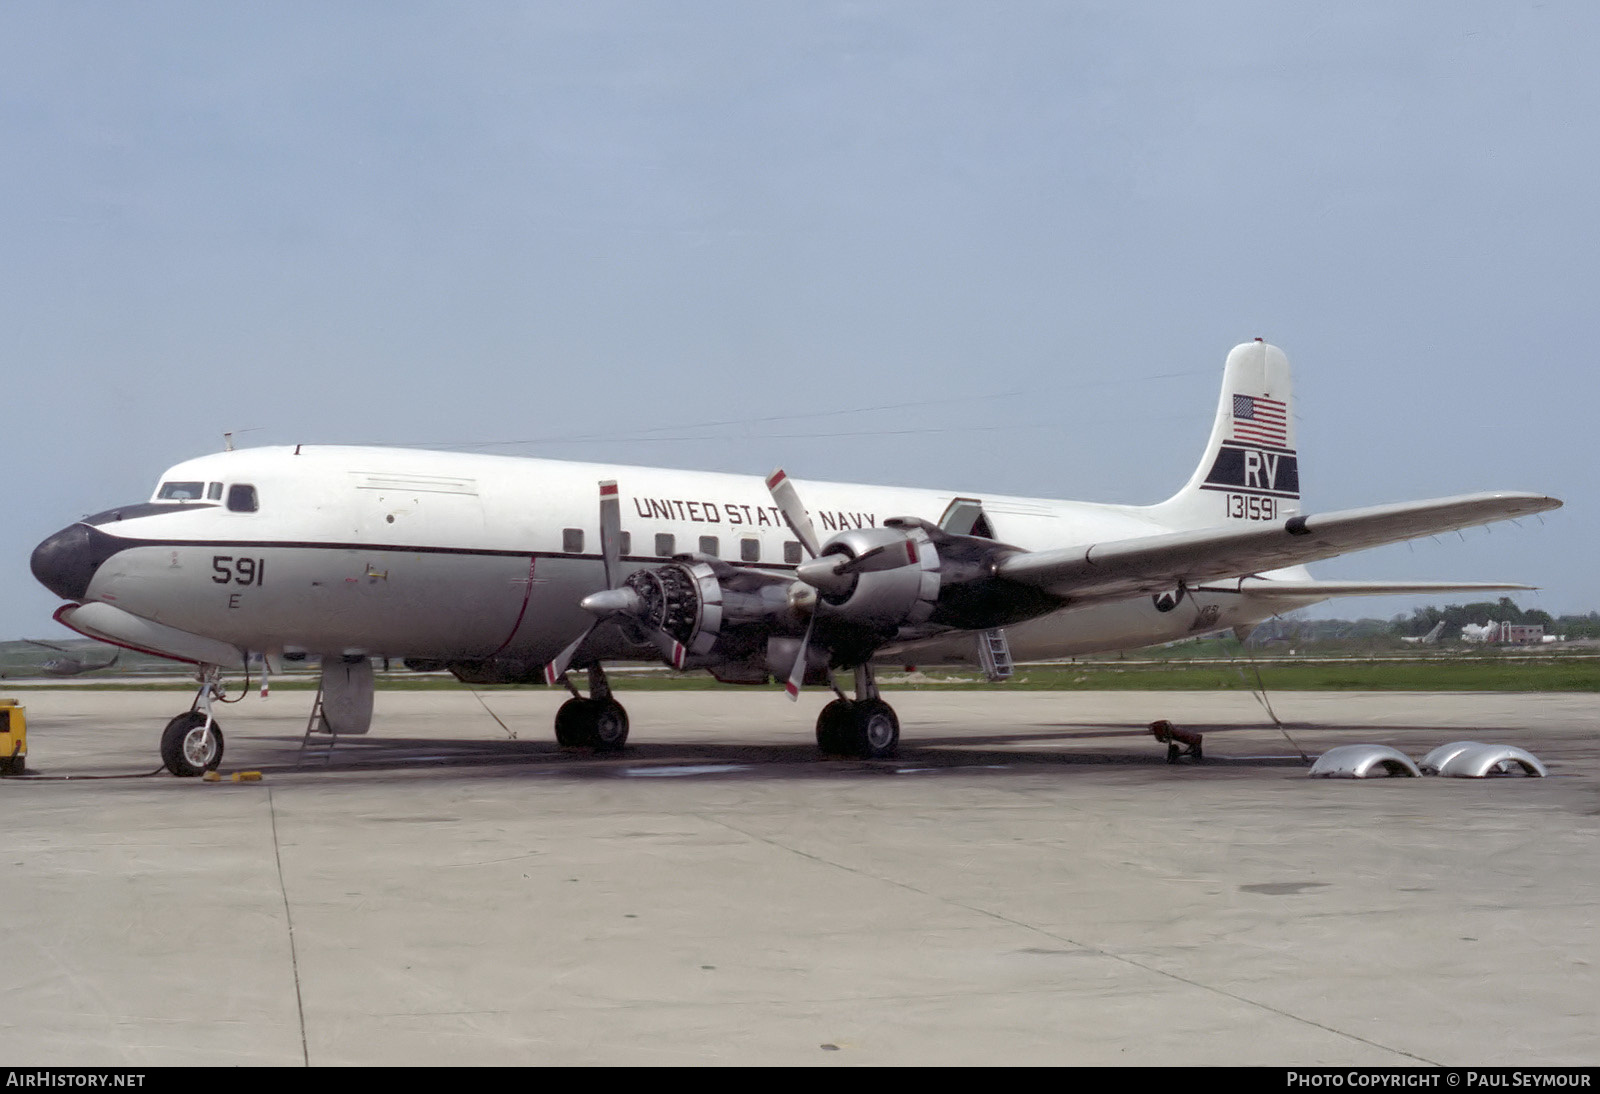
pixel 1507 634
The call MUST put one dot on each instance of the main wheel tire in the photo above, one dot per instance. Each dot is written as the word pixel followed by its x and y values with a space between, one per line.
pixel 610 723
pixel 873 731
pixel 831 727
pixel 572 723
pixel 600 724
pixel 187 749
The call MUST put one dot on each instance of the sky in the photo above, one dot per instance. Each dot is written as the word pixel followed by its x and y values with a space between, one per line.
pixel 997 247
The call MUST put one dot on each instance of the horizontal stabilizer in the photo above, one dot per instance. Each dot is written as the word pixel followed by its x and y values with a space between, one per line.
pixel 1268 587
pixel 1151 563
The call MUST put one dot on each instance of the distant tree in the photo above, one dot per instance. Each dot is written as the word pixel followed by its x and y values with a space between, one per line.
pixel 1579 626
pixel 1295 630
pixel 1510 612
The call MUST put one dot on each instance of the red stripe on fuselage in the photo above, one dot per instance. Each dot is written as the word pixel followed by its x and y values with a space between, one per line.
pixel 527 593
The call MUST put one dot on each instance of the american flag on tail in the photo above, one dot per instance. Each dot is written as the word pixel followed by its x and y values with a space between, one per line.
pixel 1260 420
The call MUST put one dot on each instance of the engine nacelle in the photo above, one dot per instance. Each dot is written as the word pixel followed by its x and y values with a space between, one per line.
pixel 890 576
pixel 347 694
pixel 867 581
pixel 682 599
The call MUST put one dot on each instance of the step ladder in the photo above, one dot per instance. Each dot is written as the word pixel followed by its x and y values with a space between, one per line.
pixel 318 726
pixel 994 654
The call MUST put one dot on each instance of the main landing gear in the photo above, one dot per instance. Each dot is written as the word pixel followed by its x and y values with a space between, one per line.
pixel 864 727
pixel 598 721
pixel 192 742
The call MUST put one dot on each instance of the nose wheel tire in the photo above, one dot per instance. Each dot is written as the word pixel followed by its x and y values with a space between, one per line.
pixel 863 728
pixel 187 749
pixel 600 724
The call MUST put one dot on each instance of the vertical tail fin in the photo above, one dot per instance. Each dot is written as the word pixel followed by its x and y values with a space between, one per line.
pixel 1249 471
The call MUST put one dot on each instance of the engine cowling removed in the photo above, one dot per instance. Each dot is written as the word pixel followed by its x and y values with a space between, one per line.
pixel 681 599
pixel 866 584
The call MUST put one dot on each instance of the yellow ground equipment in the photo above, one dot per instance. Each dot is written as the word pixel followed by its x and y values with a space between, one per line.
pixel 13 737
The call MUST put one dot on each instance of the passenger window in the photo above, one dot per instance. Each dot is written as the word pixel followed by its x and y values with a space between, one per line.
pixel 242 499
pixel 665 545
pixel 750 550
pixel 181 491
pixel 214 492
pixel 791 552
pixel 572 540
pixel 708 545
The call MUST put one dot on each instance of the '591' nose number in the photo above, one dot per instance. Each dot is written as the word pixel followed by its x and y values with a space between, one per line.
pixel 226 569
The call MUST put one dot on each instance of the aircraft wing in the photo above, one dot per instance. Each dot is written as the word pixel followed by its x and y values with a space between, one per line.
pixel 1153 563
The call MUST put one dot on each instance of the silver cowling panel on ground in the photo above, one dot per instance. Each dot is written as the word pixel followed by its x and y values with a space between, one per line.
pixel 1438 757
pixel 1363 762
pixel 1472 760
pixel 1459 759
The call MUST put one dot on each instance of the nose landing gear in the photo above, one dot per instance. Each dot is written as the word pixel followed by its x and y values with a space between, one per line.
pixel 192 743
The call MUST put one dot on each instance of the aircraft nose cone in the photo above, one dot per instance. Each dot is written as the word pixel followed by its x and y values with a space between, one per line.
pixel 66 562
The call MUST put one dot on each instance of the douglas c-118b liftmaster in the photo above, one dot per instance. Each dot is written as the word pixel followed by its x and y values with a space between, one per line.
pixel 519 570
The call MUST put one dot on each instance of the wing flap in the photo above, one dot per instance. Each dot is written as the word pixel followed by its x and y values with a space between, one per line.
pixel 1148 563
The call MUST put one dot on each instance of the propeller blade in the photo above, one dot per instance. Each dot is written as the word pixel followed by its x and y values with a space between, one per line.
pixel 555 670
pixel 834 573
pixel 616 601
pixel 611 600
pixel 797 675
pixel 887 556
pixel 610 531
pixel 788 499
pixel 673 652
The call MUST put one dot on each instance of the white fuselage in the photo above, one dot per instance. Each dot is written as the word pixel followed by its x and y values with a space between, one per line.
pixel 435 555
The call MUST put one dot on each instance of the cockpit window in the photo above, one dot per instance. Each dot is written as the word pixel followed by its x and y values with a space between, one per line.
pixel 181 491
pixel 241 498
pixel 214 492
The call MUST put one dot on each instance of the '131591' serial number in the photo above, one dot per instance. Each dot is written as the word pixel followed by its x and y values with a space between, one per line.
pixel 1251 507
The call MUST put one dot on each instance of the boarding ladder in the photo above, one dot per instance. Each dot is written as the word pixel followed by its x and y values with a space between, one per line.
pixel 994 654
pixel 318 726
